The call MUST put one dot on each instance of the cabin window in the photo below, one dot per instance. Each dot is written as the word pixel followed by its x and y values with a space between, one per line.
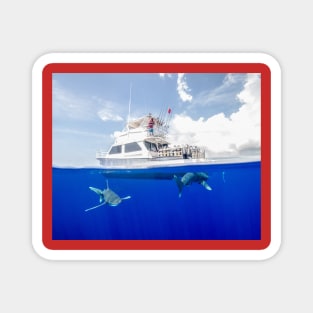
pixel 163 146
pixel 131 147
pixel 151 146
pixel 116 150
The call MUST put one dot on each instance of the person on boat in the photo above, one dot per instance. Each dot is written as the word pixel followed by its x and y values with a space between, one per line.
pixel 151 123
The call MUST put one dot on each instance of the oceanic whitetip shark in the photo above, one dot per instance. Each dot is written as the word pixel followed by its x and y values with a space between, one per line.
pixel 107 196
pixel 190 178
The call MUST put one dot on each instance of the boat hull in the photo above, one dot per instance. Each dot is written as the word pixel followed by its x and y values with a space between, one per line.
pixel 142 163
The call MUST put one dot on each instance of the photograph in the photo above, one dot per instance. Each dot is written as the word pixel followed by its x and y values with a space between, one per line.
pixel 160 156
pixel 156 156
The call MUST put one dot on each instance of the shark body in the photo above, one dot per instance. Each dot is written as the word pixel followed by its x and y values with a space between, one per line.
pixel 107 196
pixel 189 178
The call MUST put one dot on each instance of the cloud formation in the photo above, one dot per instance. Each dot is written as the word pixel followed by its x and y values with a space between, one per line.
pixel 69 105
pixel 182 88
pixel 74 107
pixel 222 95
pixel 163 75
pixel 238 134
pixel 107 110
pixel 107 114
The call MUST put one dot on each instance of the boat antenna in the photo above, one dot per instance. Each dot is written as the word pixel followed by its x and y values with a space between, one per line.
pixel 161 115
pixel 129 103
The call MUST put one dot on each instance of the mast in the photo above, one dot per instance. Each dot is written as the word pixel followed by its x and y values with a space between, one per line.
pixel 164 119
pixel 129 103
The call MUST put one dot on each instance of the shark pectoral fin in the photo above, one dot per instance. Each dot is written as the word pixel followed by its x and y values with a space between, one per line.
pixel 96 190
pixel 125 198
pixel 179 184
pixel 206 186
pixel 94 207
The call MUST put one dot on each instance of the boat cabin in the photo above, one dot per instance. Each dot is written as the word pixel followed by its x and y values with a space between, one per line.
pixel 137 149
pixel 137 143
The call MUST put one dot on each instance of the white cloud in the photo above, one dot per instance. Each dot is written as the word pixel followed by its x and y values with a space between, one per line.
pixel 250 95
pixel 220 135
pixel 231 79
pixel 106 114
pixel 71 106
pixel 163 75
pixel 222 94
pixel 182 88
pixel 107 110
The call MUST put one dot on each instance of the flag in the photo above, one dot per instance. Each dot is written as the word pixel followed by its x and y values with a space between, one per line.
pixel 169 110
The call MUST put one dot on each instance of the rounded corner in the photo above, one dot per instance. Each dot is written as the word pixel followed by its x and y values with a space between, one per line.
pixel 42 250
pixel 271 62
pixel 43 62
pixel 272 249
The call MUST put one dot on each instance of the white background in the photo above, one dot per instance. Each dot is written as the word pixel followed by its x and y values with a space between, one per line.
pixel 30 29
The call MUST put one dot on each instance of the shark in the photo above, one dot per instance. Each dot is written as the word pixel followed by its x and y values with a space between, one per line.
pixel 190 178
pixel 107 196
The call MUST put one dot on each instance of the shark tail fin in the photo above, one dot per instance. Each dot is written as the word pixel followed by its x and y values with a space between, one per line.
pixel 179 184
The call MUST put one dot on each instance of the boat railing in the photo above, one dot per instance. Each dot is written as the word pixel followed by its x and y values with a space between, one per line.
pixel 101 154
pixel 185 152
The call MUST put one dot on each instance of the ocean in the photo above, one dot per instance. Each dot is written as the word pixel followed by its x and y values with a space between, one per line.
pixel 226 207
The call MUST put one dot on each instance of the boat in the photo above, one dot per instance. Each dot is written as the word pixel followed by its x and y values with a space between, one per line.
pixel 143 143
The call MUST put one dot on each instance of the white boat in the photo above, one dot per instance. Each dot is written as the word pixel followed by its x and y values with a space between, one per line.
pixel 143 145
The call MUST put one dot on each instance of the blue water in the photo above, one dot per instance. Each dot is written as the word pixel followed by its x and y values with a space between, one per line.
pixel 230 211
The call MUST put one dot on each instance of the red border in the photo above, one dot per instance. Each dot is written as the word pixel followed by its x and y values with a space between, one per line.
pixel 261 68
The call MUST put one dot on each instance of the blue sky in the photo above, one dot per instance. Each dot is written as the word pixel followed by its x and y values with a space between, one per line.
pixel 218 111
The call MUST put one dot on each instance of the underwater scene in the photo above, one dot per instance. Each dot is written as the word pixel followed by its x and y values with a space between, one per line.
pixel 197 202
